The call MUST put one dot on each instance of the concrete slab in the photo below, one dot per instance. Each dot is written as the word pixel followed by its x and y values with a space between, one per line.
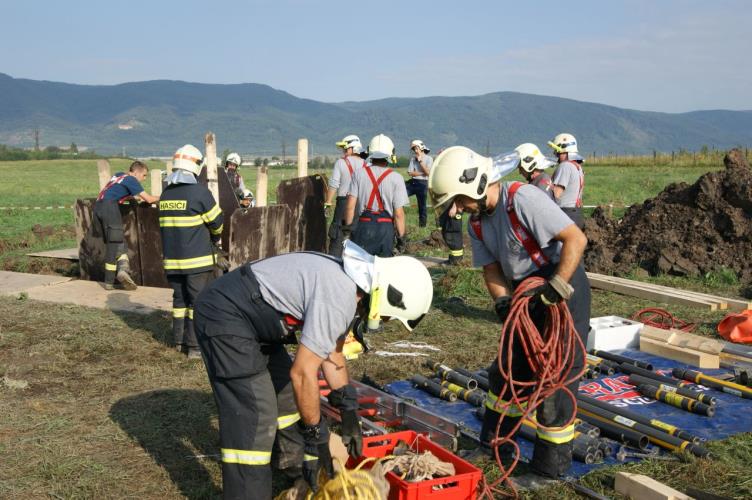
pixel 12 283
pixel 145 300
pixel 65 253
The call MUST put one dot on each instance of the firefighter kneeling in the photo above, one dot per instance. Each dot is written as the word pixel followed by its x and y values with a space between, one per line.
pixel 268 404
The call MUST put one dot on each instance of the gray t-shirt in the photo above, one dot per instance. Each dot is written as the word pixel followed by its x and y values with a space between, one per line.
pixel 392 189
pixel 543 182
pixel 340 179
pixel 537 213
pixel 570 176
pixel 415 167
pixel 314 289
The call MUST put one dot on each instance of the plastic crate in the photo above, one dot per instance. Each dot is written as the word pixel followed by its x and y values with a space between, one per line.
pixel 612 332
pixel 461 486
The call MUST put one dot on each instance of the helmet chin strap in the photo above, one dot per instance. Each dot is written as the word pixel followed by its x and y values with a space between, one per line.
pixel 484 207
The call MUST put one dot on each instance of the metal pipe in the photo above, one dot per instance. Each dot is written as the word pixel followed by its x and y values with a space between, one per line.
pixel 433 388
pixel 702 397
pixel 676 400
pixel 618 358
pixel 588 429
pixel 482 381
pixel 715 383
pixel 448 374
pixel 475 398
pixel 636 370
pixel 613 431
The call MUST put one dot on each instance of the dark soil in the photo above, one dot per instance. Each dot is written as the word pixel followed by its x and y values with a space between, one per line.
pixel 684 231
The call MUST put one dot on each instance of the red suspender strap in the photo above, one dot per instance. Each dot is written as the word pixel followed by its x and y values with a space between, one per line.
pixel 375 183
pixel 578 203
pixel 522 234
pixel 113 181
pixel 476 227
pixel 349 165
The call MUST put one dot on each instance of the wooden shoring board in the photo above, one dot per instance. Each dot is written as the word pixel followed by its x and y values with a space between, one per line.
pixel 648 294
pixel 673 292
pixel 150 247
pixel 305 196
pixel 692 357
pixel 228 201
pixel 259 232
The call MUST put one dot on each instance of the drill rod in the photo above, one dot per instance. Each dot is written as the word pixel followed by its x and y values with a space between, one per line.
pixel 618 359
pixel 673 399
pixel 613 431
pixel 448 374
pixel 433 388
pixel 702 397
pixel 475 398
pixel 636 370
pixel 715 383
pixel 482 381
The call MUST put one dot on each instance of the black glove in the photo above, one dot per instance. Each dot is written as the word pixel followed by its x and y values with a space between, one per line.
pixel 315 452
pixel 401 245
pixel 551 292
pixel 345 399
pixel 222 261
pixel 327 210
pixel 346 230
pixel 502 306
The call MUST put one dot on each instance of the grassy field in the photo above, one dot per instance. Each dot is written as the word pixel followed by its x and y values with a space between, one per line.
pixel 94 405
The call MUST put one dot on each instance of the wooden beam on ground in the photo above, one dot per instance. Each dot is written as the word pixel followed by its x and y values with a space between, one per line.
pixel 210 142
pixel 721 301
pixel 640 487
pixel 597 281
pixel 683 339
pixel 103 169
pixel 262 186
pixel 689 356
pixel 302 157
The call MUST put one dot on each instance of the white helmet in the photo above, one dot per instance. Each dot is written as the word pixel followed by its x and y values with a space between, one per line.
pixel 531 158
pixel 458 171
pixel 420 144
pixel 188 158
pixel 351 141
pixel 564 143
pixel 400 287
pixel 381 148
pixel 234 158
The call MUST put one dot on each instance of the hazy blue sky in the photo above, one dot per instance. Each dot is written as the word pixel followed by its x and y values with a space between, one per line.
pixel 663 55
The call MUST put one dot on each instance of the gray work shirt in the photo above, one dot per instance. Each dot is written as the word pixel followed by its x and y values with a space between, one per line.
pixel 570 176
pixel 314 289
pixel 537 213
pixel 414 166
pixel 543 182
pixel 392 189
pixel 340 179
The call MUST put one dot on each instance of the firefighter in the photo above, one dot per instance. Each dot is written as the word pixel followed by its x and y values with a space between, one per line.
pixel 568 178
pixel 532 167
pixel 121 188
pixel 339 182
pixel 377 193
pixel 418 170
pixel 190 222
pixel 451 231
pixel 516 231
pixel 244 196
pixel 268 404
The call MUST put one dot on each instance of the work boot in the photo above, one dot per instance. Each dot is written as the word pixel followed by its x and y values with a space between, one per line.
pixel 422 223
pixel 194 353
pixel 124 277
pixel 109 286
pixel 531 481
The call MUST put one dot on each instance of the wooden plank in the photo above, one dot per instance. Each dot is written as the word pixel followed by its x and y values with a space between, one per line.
pixel 259 232
pixel 667 290
pixel 689 356
pixel 90 243
pixel 150 247
pixel 683 339
pixel 655 295
pixel 305 196
pixel 641 487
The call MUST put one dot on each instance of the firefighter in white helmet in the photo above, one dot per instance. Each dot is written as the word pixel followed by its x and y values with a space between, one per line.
pixel 191 224
pixel 339 182
pixel 376 196
pixel 269 413
pixel 516 231
pixel 418 170
pixel 533 165
pixel 568 178
pixel 232 166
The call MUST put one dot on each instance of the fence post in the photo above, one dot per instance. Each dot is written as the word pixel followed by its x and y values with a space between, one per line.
pixel 262 183
pixel 210 142
pixel 302 157
pixel 103 169
pixel 156 182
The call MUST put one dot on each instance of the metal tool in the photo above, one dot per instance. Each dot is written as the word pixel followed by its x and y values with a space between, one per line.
pixel 623 454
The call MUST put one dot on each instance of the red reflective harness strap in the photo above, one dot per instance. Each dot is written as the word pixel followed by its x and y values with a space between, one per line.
pixel 112 182
pixel 375 183
pixel 292 321
pixel 476 227
pixel 528 242
pixel 349 165
pixel 578 203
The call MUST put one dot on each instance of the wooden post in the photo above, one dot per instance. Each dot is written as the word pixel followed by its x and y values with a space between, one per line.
pixel 168 167
pixel 210 142
pixel 103 167
pixel 302 157
pixel 262 183
pixel 156 182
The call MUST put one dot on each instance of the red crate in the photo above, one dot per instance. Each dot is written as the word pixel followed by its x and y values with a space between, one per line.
pixel 461 486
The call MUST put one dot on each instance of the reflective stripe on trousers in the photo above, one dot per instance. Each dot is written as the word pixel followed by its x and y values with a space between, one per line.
pixel 494 403
pixel 246 457
pixel 556 435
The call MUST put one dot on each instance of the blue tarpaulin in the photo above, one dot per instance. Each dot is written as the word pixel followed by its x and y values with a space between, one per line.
pixel 733 414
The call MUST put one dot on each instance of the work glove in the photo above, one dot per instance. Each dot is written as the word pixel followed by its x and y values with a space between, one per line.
pixel 401 246
pixel 502 306
pixel 315 452
pixel 551 292
pixel 346 230
pixel 345 399
pixel 222 261
pixel 327 210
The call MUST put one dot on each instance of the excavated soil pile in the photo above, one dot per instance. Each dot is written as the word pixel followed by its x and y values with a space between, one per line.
pixel 685 230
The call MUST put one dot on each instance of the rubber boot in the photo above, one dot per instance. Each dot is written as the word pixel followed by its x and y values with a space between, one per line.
pixel 124 275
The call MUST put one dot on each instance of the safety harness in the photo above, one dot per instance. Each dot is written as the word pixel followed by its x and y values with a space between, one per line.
pixel 349 165
pixel 115 179
pixel 520 232
pixel 375 196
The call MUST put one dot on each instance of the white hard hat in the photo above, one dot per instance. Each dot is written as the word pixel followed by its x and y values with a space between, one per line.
pixel 458 171
pixel 420 144
pixel 381 148
pixel 188 158
pixel 351 141
pixel 234 158
pixel 564 143
pixel 531 158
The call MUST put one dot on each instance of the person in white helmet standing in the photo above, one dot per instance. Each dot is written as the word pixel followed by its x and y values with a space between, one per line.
pixel 418 170
pixel 244 195
pixel 517 231
pixel 378 194
pixel 339 182
pixel 191 223
pixel 568 178
pixel 533 167
pixel 269 410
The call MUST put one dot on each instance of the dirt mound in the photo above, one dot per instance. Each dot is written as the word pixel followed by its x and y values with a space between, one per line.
pixel 685 230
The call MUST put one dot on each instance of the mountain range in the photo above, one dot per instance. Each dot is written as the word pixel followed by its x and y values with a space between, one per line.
pixel 156 117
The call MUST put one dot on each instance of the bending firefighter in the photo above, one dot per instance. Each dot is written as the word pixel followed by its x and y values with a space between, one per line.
pixel 568 178
pixel 121 188
pixel 268 404
pixel 190 222
pixel 532 167
pixel 516 231
pixel 339 182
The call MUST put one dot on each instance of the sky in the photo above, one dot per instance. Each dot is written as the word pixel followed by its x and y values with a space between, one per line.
pixel 659 55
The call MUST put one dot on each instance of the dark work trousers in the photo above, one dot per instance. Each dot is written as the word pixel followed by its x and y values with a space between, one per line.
pixel 336 238
pixel 551 456
pixel 109 224
pixel 575 213
pixel 185 290
pixel 451 231
pixel 419 188
pixel 375 233
pixel 252 390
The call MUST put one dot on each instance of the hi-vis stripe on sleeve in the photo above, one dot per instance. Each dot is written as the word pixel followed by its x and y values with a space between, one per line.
pixel 110 267
pixel 494 403
pixel 309 458
pixel 246 457
pixel 217 230
pixel 211 214
pixel 180 264
pixel 286 421
pixel 181 221
pixel 556 435
pixel 179 312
